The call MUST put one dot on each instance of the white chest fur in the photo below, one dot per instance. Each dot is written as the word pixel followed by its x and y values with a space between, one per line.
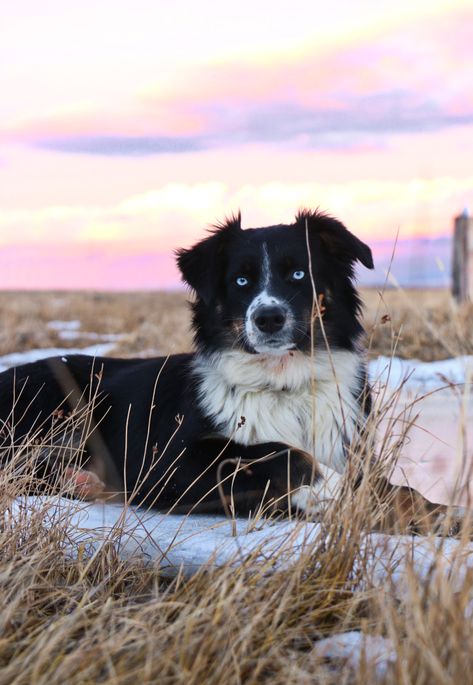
pixel 303 402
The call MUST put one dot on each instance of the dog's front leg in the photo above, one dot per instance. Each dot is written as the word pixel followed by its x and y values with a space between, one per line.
pixel 314 499
pixel 217 475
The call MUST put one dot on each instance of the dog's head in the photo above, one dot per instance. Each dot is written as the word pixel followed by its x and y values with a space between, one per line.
pixel 256 288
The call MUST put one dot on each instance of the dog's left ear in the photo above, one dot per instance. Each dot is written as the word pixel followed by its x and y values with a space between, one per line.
pixel 201 264
pixel 336 238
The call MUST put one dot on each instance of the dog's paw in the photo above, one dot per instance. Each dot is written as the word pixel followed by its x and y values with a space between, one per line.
pixel 314 500
pixel 85 484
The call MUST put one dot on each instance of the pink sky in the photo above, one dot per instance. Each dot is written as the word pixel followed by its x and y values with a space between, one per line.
pixel 127 128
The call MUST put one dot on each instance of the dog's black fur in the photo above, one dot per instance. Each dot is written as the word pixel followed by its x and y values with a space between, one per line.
pixel 154 425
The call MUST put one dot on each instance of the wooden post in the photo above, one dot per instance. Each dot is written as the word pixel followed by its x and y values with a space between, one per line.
pixel 462 268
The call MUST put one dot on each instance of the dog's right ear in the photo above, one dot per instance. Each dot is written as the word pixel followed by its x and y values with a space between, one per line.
pixel 200 264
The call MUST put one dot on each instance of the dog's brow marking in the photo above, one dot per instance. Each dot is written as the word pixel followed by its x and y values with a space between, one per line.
pixel 264 296
pixel 266 272
pixel 264 299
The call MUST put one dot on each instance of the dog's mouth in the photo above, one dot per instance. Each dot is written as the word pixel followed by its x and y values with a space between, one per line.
pixel 275 343
pixel 274 346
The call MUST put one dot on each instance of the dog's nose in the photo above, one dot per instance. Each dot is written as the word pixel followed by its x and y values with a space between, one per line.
pixel 270 319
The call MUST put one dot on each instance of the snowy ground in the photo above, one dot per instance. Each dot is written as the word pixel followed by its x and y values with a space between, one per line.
pixel 185 543
pixel 431 462
pixel 436 398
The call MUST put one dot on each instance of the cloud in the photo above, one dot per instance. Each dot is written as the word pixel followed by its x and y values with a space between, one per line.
pixel 177 213
pixel 133 146
pixel 407 79
pixel 71 267
pixel 361 122
pixel 129 244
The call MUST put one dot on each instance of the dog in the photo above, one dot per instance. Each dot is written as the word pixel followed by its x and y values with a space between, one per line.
pixel 260 417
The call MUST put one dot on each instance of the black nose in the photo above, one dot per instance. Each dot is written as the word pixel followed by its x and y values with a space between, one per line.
pixel 269 319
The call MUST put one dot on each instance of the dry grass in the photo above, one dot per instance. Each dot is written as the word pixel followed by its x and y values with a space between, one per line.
pixel 102 620
pixel 154 323
pixel 97 619
pixel 420 324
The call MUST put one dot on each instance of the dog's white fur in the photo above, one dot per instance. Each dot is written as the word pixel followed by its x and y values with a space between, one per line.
pixel 314 498
pixel 303 401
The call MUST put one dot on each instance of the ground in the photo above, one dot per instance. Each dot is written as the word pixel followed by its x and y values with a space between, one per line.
pixel 416 324
pixel 102 619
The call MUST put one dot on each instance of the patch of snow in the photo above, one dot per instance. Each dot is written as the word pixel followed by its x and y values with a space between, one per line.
pixel 421 376
pixel 188 542
pixel 57 325
pixel 88 335
pixel 353 647
pixel 70 330
pixel 18 358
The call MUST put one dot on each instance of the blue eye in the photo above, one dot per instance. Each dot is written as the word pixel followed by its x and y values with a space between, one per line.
pixel 241 281
pixel 298 275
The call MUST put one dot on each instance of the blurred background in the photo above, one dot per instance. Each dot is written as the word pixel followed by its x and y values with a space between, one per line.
pixel 126 128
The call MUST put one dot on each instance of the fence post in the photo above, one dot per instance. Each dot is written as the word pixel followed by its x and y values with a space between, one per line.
pixel 462 267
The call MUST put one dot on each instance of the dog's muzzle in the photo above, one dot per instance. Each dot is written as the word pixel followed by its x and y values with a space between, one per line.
pixel 270 319
pixel 269 328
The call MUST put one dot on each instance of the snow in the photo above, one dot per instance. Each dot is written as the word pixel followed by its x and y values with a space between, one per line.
pixel 71 330
pixel 435 408
pixel 421 376
pixel 17 358
pixel 88 335
pixel 180 544
pixel 173 541
pixel 67 330
pixel 185 543
pixel 353 646
pixel 59 325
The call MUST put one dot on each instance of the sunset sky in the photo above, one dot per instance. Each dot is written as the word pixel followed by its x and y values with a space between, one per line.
pixel 128 127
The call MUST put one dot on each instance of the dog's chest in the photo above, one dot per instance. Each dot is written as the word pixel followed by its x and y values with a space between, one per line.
pixel 264 416
pixel 316 416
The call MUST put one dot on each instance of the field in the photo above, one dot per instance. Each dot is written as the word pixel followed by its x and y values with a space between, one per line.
pixel 414 324
pixel 102 619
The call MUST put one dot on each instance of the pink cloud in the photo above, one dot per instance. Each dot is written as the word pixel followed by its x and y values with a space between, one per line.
pixel 405 79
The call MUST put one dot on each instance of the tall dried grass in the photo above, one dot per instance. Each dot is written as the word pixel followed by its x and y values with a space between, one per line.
pixel 99 619
pixel 95 618
pixel 416 324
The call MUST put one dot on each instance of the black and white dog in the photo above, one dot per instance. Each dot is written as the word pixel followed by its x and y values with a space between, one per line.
pixel 261 414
